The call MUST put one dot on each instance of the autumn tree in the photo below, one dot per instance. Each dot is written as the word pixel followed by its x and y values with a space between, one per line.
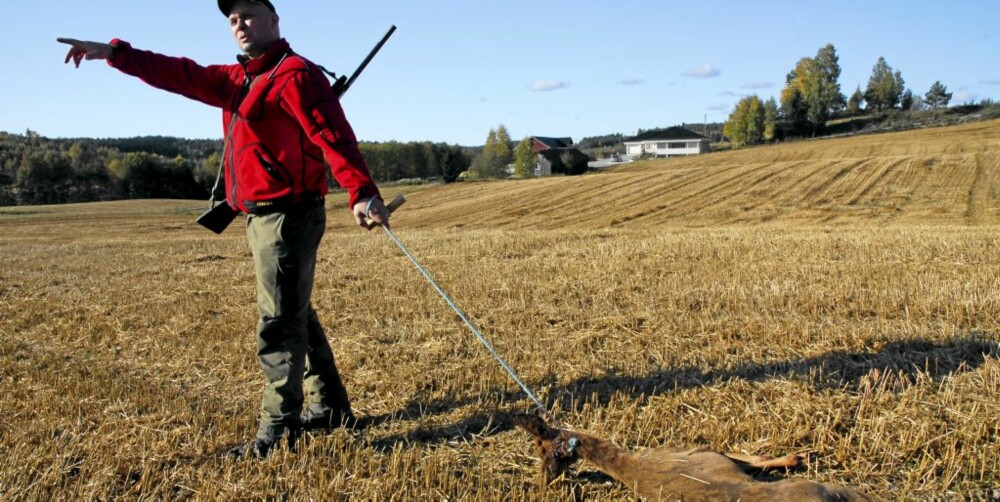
pixel 496 155
pixel 793 108
pixel 504 146
pixel 885 87
pixel 524 158
pixel 746 123
pixel 736 126
pixel 770 120
pixel 812 91
pixel 483 164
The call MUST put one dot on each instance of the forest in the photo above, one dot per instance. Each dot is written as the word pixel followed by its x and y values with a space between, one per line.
pixel 39 170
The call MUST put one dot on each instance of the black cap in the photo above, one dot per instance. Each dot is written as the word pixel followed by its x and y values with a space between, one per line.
pixel 227 5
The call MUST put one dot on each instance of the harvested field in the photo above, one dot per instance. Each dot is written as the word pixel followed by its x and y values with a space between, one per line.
pixel 840 297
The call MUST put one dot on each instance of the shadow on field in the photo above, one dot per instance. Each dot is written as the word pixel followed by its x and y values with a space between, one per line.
pixel 904 359
pixel 835 370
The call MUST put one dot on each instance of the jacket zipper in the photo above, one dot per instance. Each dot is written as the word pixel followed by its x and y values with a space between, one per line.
pixel 247 87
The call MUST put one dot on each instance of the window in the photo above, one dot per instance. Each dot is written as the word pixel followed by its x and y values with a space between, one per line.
pixel 678 145
pixel 661 146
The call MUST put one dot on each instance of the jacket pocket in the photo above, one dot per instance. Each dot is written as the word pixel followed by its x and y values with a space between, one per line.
pixel 259 173
pixel 269 167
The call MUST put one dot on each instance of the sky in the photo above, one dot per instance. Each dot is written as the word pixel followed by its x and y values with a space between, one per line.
pixel 455 69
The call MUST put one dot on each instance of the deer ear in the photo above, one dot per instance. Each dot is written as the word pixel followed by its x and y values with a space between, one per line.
pixel 532 425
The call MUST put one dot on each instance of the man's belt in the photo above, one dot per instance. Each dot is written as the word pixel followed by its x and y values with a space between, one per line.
pixel 283 205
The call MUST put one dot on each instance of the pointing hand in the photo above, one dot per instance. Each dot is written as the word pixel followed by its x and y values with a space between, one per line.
pixel 81 50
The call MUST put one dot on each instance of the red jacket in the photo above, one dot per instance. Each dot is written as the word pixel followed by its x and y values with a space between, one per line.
pixel 280 119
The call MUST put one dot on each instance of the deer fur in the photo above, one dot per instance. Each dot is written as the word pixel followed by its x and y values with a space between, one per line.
pixel 674 473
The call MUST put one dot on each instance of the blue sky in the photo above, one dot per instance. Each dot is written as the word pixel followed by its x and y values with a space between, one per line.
pixel 455 69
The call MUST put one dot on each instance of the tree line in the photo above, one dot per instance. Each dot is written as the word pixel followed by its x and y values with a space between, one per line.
pixel 812 96
pixel 39 170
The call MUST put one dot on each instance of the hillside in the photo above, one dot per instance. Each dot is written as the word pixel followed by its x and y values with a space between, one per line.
pixel 944 175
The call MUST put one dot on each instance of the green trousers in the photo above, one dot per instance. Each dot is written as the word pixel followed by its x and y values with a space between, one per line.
pixel 292 349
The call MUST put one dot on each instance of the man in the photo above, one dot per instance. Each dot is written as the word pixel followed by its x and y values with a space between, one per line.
pixel 280 121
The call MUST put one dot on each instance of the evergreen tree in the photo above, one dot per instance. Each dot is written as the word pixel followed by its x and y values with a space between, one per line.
pixel 885 87
pixel 898 86
pixel 906 101
pixel 855 101
pixel 937 97
pixel 825 98
pixel 453 162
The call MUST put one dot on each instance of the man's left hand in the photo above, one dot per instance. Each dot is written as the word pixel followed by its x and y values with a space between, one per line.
pixel 376 212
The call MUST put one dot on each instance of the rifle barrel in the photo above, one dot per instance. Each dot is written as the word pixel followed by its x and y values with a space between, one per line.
pixel 368 59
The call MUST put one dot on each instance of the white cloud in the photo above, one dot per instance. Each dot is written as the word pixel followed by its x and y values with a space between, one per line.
pixel 992 81
pixel 630 81
pixel 962 97
pixel 729 93
pixel 703 71
pixel 757 85
pixel 718 107
pixel 547 85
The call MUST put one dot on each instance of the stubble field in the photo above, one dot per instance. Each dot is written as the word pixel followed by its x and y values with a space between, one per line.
pixel 838 297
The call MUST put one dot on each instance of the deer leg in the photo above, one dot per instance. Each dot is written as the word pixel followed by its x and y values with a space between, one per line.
pixel 759 462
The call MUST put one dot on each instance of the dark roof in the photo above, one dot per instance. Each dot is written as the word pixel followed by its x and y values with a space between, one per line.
pixel 666 134
pixel 556 153
pixel 554 142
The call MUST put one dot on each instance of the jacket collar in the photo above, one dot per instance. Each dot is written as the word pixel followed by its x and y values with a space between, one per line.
pixel 266 61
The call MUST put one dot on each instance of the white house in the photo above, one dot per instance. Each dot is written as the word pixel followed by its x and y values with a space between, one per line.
pixel 672 142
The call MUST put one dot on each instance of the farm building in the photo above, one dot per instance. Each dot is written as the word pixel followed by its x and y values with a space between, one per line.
pixel 671 142
pixel 557 155
pixel 541 143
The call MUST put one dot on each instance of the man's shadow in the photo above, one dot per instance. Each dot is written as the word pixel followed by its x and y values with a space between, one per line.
pixel 835 370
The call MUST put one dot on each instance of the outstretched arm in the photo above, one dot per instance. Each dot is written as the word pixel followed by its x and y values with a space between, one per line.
pixel 210 85
pixel 81 49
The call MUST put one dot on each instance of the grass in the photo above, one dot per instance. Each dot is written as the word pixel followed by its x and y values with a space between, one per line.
pixel 838 297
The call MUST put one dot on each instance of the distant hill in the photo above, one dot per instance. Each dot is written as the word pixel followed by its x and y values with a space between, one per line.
pixel 948 175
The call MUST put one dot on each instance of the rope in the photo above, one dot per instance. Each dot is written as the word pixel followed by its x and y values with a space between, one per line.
pixel 472 328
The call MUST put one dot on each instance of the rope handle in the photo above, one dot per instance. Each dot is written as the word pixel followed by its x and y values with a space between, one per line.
pixel 392 206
